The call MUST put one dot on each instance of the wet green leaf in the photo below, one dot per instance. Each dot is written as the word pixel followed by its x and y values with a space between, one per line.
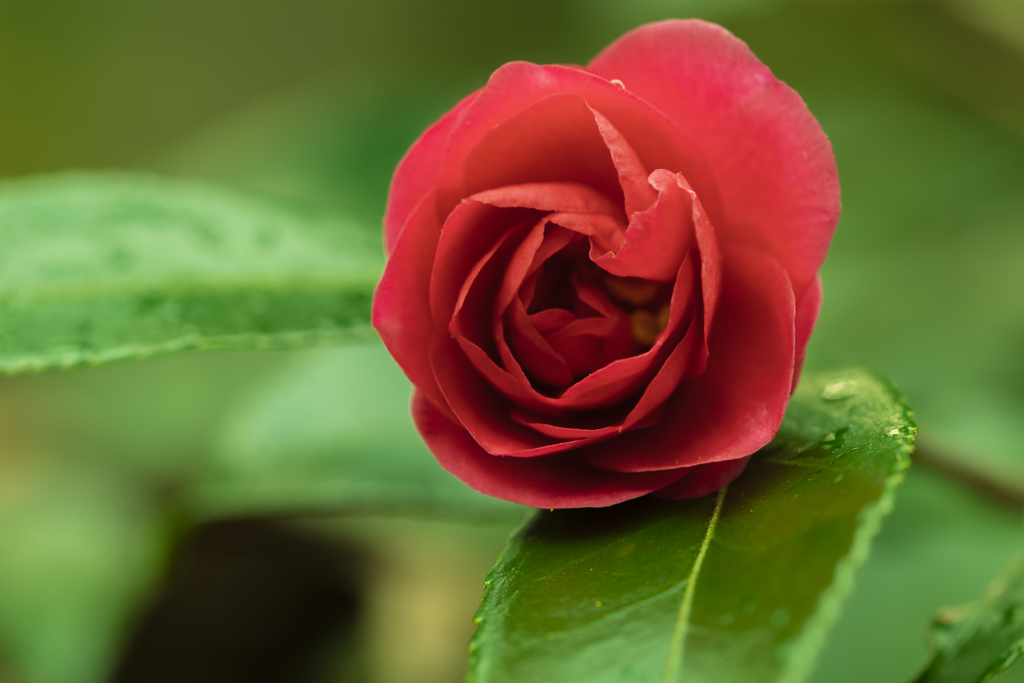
pixel 334 435
pixel 738 586
pixel 101 267
pixel 975 642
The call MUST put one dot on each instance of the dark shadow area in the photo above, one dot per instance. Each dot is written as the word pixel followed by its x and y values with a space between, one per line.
pixel 247 600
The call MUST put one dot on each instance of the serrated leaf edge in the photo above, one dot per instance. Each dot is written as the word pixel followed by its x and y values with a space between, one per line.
pixel 804 650
pixel 472 664
pixel 803 653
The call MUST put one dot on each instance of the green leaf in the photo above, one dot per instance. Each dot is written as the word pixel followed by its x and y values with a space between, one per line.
pixel 975 642
pixel 81 548
pixel 739 586
pixel 103 267
pixel 941 546
pixel 334 435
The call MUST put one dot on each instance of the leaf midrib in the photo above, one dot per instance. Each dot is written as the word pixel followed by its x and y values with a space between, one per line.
pixel 176 285
pixel 674 660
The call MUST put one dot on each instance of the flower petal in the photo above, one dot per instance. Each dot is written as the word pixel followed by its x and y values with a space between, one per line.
pixel 703 479
pixel 472 317
pixel 550 482
pixel 773 164
pixel 807 311
pixel 646 411
pixel 401 310
pixel 518 86
pixel 625 376
pixel 555 140
pixel 532 351
pixel 637 192
pixel 469 232
pixel 737 405
pixel 657 239
pixel 581 341
pixel 482 411
pixel 416 174
pixel 568 197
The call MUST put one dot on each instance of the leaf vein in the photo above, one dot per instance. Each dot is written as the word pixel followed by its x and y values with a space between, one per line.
pixel 674 661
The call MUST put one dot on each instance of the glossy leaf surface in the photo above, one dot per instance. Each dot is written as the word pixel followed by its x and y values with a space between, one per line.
pixel 975 642
pixel 738 586
pixel 101 267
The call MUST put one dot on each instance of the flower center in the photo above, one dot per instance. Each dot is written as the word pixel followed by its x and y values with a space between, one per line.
pixel 645 301
pixel 571 281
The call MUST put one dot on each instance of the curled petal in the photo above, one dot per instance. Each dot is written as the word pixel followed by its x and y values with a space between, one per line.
pixel 657 239
pixel 637 192
pixel 774 167
pixel 401 309
pixel 518 86
pixel 483 280
pixel 582 341
pixel 606 232
pixel 737 405
pixel 807 311
pixel 645 412
pixel 532 351
pixel 469 233
pixel 482 411
pixel 553 140
pixel 614 381
pixel 552 482
pixel 557 197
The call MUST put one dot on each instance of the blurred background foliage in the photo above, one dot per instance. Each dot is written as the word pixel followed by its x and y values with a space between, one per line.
pixel 104 472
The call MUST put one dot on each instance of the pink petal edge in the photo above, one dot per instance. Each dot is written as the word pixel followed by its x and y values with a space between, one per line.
pixel 773 164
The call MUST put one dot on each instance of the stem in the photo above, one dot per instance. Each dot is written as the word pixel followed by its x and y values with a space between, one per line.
pixel 1005 488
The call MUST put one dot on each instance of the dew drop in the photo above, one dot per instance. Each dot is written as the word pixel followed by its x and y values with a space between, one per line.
pixel 839 390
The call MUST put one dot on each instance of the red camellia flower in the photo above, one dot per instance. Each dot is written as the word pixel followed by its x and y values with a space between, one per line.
pixel 602 279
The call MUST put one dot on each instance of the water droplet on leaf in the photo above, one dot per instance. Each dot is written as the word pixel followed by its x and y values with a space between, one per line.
pixel 839 390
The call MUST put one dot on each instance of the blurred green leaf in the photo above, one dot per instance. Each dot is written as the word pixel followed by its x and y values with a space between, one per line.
pixel 334 436
pixel 100 267
pixel 334 142
pixel 80 549
pixel 941 546
pixel 742 586
pixel 975 642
